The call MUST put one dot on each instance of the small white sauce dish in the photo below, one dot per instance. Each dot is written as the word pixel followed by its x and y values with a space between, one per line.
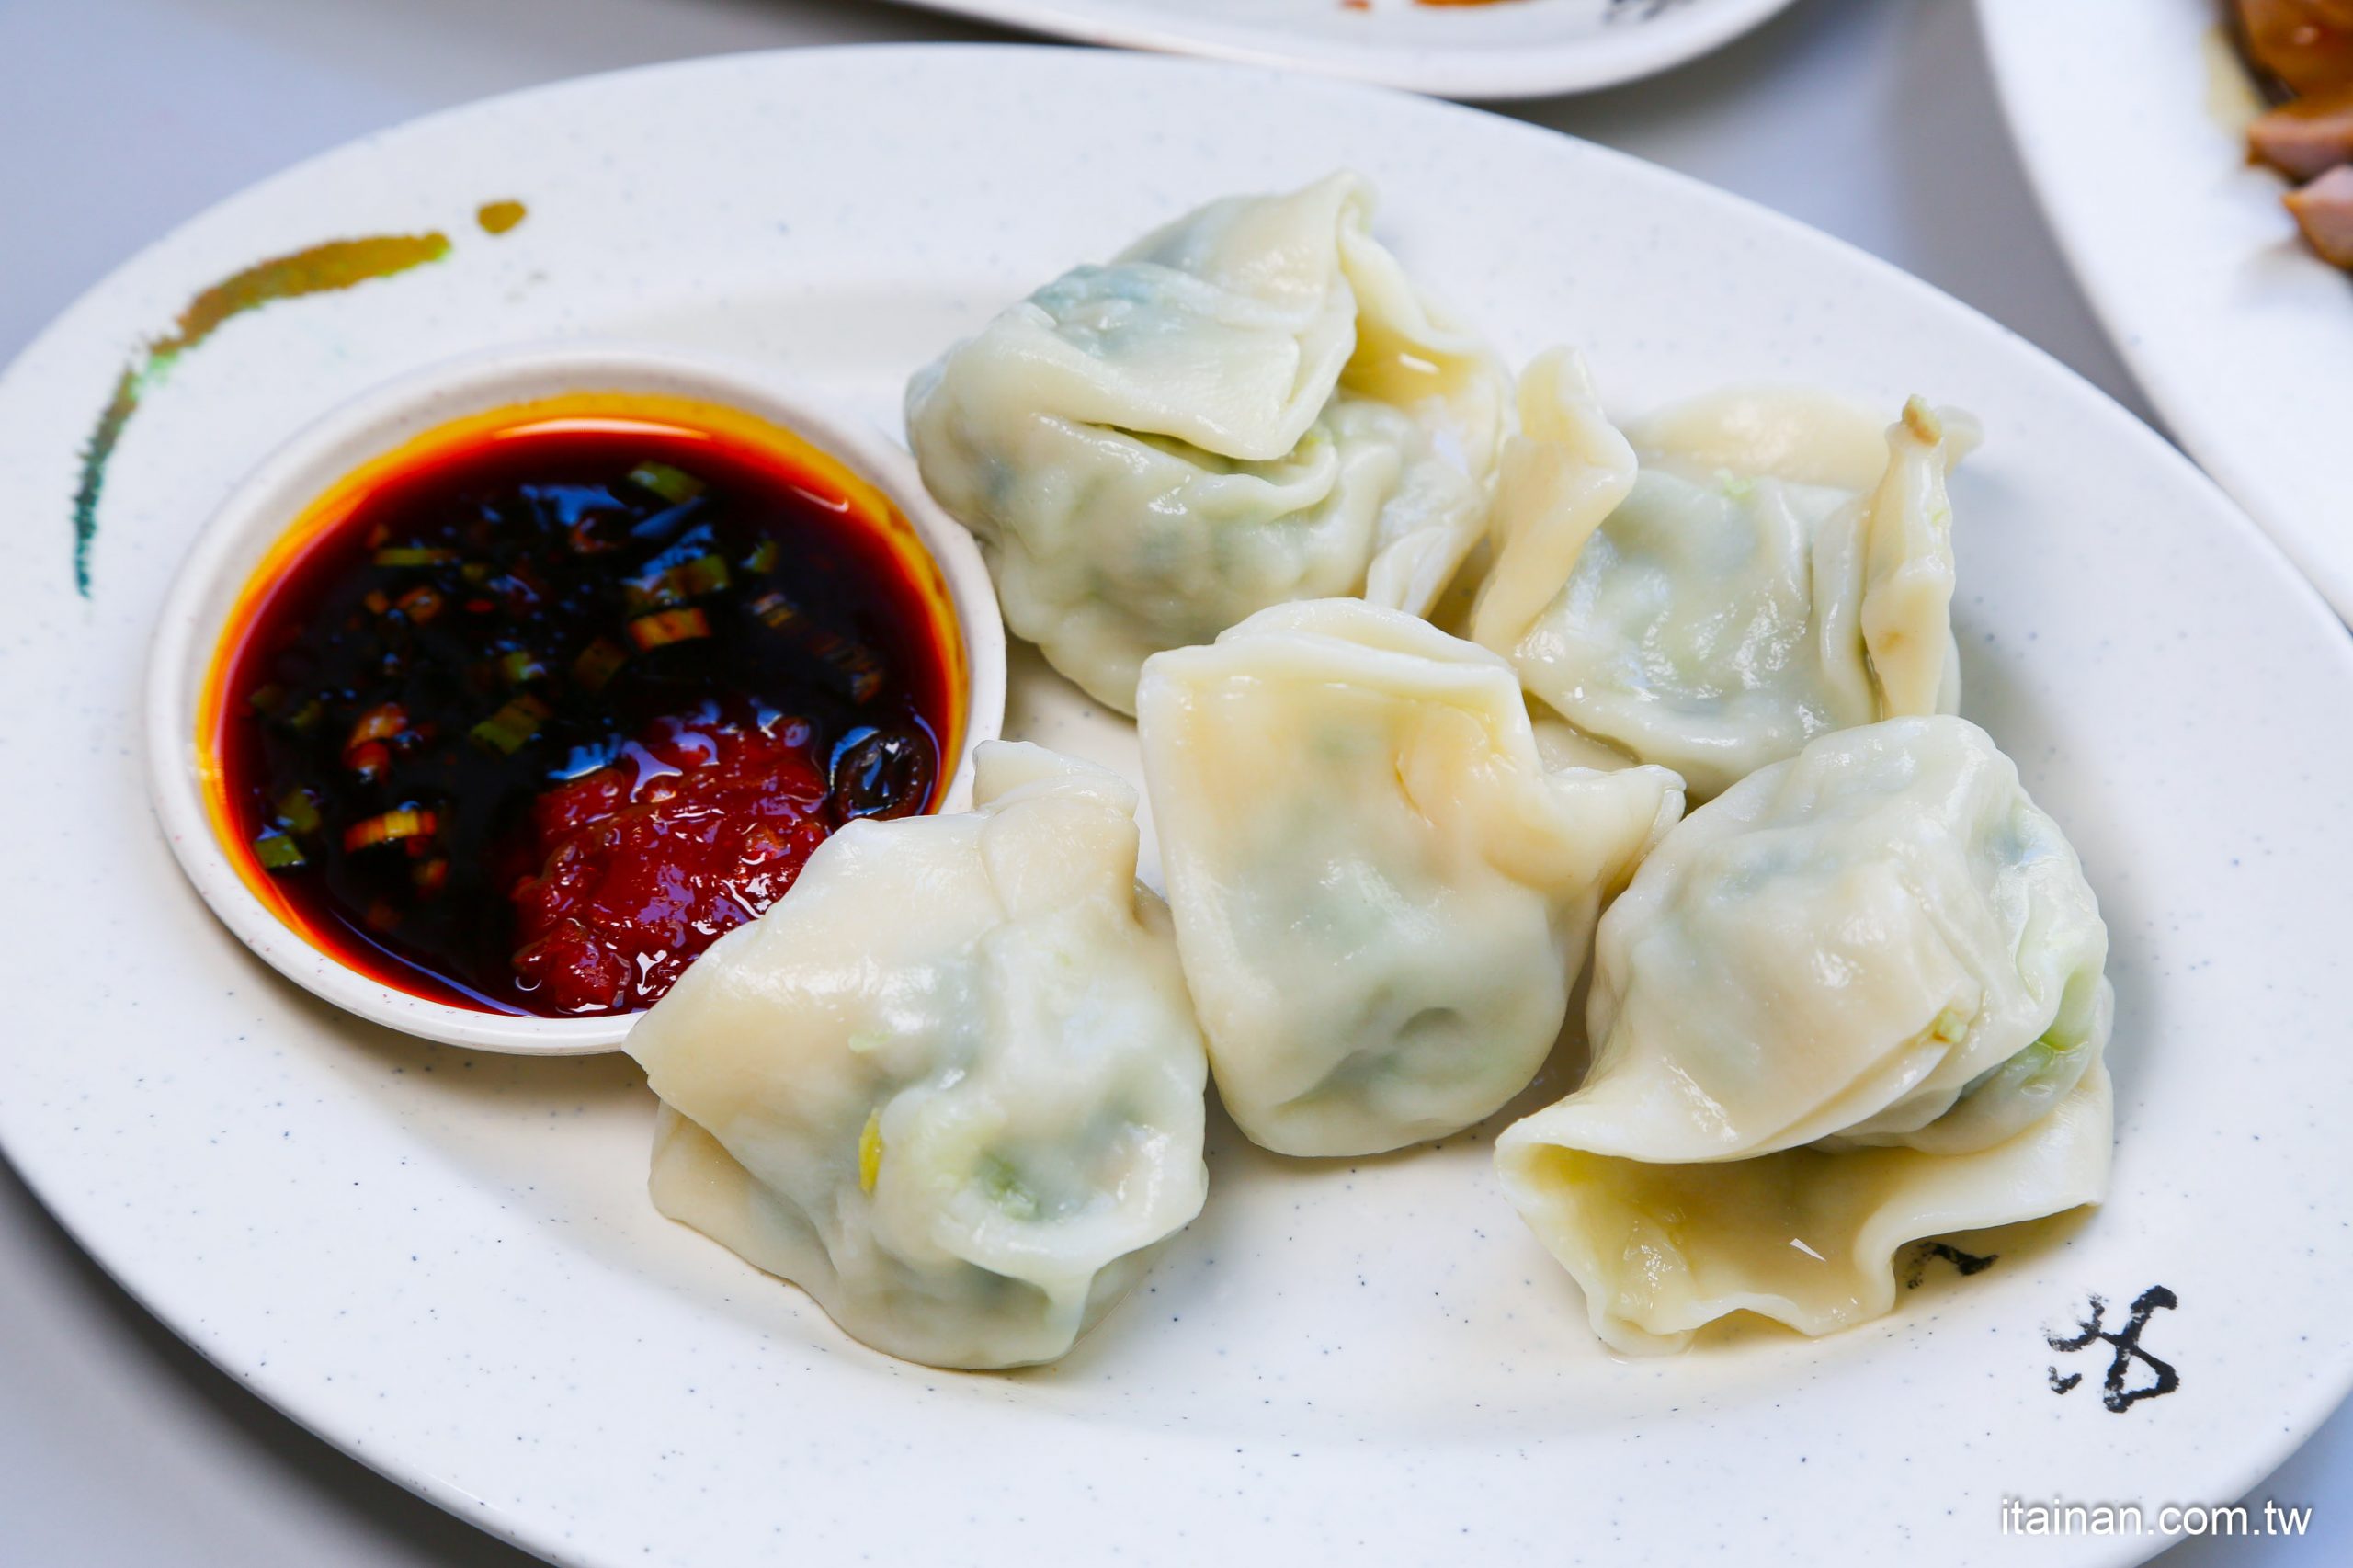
pixel 240 537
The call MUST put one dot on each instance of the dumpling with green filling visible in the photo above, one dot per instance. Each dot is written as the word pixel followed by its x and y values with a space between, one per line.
pixel 1858 999
pixel 950 1085
pixel 1251 405
pixel 1728 577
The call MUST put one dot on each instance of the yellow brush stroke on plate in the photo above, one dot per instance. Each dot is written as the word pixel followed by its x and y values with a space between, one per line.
pixel 325 268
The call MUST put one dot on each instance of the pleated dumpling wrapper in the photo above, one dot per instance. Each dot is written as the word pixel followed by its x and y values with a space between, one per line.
pixel 950 1085
pixel 1727 578
pixel 1252 405
pixel 1382 895
pixel 1858 999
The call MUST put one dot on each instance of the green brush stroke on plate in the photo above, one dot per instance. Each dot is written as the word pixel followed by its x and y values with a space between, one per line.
pixel 317 269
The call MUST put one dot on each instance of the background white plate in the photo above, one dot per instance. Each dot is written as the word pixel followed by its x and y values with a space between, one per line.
pixel 1515 48
pixel 2128 114
pixel 446 1264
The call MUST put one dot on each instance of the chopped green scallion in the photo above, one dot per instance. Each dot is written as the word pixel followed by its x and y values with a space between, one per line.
pixel 644 596
pixel 278 705
pixel 674 485
pixel 667 590
pixel 414 555
pixel 276 852
pixel 389 827
pixel 520 666
pixel 664 627
pixel 298 812
pixel 704 575
pixel 509 730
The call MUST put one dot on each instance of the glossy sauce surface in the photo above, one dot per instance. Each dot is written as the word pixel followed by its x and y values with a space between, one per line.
pixel 527 716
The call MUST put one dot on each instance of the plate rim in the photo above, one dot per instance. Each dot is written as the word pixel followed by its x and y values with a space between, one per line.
pixel 1466 74
pixel 289 1394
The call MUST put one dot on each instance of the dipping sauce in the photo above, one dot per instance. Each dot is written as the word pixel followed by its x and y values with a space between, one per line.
pixel 525 715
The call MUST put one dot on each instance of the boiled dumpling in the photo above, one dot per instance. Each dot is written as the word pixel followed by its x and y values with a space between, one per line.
pixel 1382 894
pixel 950 1085
pixel 1252 405
pixel 1729 577
pixel 1858 999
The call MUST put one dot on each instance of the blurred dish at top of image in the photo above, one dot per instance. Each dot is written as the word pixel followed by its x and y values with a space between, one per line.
pixel 1483 49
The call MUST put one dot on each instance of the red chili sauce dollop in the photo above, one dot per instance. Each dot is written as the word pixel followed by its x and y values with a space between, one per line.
pixel 547 712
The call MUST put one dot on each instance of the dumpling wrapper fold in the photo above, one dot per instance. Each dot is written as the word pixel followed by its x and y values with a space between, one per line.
pixel 1252 405
pixel 1804 1236
pixel 1382 894
pixel 950 1085
pixel 1727 578
pixel 1858 998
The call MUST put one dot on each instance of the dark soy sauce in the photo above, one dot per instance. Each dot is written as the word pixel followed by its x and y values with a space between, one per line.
pixel 543 714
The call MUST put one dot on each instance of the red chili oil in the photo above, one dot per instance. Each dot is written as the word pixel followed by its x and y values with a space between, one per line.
pixel 533 712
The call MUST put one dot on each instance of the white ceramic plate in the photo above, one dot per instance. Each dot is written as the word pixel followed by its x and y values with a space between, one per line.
pixel 446 1263
pixel 2130 116
pixel 1457 49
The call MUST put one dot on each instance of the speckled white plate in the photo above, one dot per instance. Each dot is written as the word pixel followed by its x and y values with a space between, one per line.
pixel 2242 337
pixel 1456 48
pixel 446 1262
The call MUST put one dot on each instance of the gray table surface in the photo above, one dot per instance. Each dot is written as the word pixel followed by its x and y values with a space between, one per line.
pixel 1874 120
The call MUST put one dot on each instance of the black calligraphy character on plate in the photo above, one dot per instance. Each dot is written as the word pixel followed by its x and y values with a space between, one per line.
pixel 2127 1344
